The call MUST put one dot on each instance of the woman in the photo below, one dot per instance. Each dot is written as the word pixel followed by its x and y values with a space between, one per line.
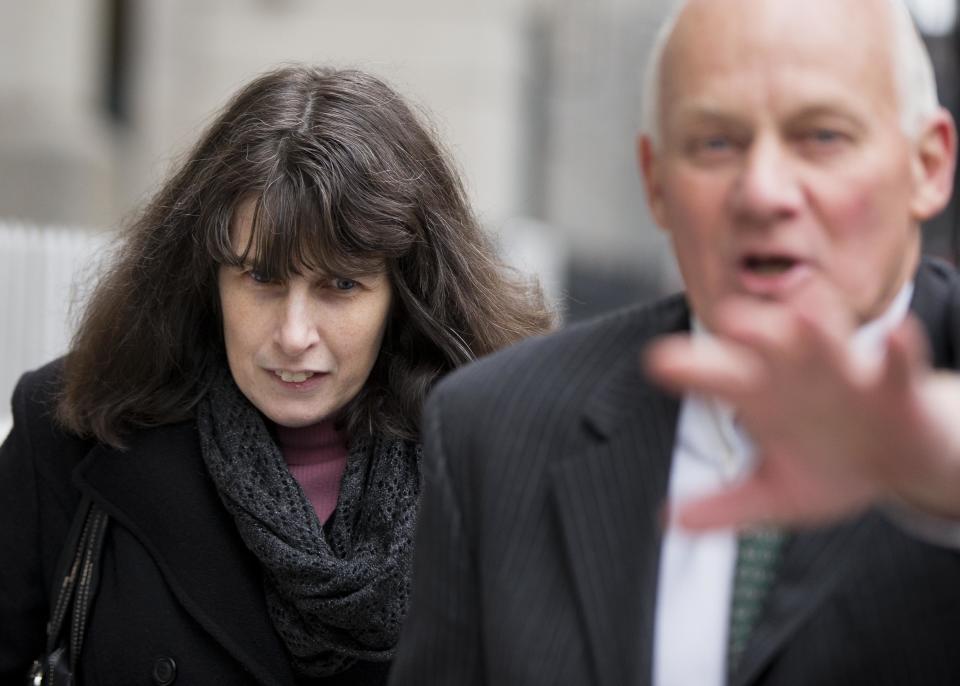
pixel 242 398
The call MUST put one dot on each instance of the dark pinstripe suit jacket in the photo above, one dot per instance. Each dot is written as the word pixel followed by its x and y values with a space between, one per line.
pixel 538 542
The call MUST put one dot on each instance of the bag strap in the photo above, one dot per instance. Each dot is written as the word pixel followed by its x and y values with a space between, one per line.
pixel 79 574
pixel 65 576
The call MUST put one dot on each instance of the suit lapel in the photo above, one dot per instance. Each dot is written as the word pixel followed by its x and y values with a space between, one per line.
pixel 159 491
pixel 936 303
pixel 608 498
pixel 813 564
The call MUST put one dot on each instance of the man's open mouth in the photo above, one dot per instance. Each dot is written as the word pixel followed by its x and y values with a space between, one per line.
pixel 768 265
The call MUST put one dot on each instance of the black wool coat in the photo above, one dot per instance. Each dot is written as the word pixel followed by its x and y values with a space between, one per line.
pixel 181 599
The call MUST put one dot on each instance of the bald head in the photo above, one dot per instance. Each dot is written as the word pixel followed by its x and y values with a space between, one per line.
pixel 890 44
pixel 791 151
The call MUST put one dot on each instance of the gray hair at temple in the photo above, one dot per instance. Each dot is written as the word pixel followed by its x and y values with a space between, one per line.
pixel 916 85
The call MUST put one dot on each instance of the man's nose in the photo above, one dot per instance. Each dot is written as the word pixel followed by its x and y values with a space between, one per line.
pixel 768 189
pixel 298 329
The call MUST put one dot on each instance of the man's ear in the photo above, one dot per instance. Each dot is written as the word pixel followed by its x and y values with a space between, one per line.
pixel 934 161
pixel 650 172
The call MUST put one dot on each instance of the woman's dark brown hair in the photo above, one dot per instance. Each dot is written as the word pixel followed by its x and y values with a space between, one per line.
pixel 343 174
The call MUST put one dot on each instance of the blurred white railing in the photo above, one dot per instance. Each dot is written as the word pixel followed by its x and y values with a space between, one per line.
pixel 44 271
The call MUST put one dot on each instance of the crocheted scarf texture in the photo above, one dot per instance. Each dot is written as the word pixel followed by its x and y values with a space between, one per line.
pixel 335 595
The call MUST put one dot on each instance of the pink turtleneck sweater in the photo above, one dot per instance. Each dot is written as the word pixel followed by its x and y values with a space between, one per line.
pixel 316 456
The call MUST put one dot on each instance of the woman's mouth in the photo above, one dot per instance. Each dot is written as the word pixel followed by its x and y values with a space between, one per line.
pixel 293 377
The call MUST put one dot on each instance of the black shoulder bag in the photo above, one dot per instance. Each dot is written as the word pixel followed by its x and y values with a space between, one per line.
pixel 79 571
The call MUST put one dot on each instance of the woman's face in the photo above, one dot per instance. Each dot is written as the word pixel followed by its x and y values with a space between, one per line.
pixel 301 349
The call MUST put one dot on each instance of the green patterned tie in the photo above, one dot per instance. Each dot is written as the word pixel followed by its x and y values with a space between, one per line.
pixel 757 554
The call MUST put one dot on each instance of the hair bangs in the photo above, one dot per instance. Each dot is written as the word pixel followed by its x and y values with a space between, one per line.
pixel 296 229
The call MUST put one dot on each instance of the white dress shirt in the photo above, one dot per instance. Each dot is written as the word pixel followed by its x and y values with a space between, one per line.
pixel 696 569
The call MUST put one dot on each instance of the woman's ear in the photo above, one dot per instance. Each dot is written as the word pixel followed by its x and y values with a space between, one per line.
pixel 934 162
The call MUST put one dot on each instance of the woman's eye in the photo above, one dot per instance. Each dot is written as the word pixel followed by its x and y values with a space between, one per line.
pixel 259 277
pixel 342 284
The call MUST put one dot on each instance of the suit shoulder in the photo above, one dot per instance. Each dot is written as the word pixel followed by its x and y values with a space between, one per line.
pixel 576 353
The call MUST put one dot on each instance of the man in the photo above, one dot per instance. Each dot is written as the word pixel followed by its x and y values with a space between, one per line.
pixel 791 151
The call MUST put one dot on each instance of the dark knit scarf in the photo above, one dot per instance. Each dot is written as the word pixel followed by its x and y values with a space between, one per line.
pixel 334 596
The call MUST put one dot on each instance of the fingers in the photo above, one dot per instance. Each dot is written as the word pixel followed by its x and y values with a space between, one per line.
pixel 817 305
pixel 682 363
pixel 781 335
pixel 804 500
pixel 754 345
pixel 821 302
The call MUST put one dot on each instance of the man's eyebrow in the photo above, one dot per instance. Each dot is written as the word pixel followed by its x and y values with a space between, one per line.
pixel 697 114
pixel 834 110
pixel 690 120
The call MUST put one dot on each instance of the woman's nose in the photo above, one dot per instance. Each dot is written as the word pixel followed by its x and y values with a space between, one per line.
pixel 298 328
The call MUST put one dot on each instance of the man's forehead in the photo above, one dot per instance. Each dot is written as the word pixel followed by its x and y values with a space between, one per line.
pixel 719 40
pixel 777 26
pixel 760 11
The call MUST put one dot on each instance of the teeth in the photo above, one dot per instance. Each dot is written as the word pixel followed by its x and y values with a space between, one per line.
pixel 293 377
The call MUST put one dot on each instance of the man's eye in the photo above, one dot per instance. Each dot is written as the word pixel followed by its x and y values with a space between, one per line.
pixel 342 284
pixel 712 147
pixel 824 135
pixel 714 143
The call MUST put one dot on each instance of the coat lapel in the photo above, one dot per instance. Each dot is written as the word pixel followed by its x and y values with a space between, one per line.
pixel 609 498
pixel 813 564
pixel 936 303
pixel 159 491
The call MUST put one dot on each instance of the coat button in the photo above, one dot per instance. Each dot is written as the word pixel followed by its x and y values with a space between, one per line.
pixel 164 671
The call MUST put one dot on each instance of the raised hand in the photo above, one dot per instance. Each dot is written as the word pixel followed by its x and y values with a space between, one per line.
pixel 835 432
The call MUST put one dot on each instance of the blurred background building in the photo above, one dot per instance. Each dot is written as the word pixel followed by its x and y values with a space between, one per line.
pixel 538 101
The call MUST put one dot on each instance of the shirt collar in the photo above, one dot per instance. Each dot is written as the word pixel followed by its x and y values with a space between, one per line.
pixel 869 338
